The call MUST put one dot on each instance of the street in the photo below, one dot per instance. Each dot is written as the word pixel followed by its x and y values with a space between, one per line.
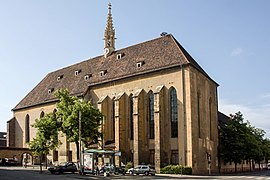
pixel 12 173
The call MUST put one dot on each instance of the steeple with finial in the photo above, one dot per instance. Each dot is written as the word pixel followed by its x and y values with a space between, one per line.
pixel 109 34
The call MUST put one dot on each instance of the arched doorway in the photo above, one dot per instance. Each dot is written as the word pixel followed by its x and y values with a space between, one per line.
pixel 27 158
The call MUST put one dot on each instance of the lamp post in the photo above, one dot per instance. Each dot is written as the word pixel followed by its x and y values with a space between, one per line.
pixel 80 141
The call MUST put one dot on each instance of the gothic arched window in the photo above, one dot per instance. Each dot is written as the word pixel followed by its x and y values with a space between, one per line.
pixel 27 128
pixel 210 118
pixel 41 114
pixel 199 114
pixel 54 113
pixel 173 113
pixel 151 115
pixel 131 115
pixel 113 119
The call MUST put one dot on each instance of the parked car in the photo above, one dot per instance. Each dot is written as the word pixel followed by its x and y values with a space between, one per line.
pixel 63 167
pixel 130 170
pixel 8 162
pixel 144 169
pixel 2 161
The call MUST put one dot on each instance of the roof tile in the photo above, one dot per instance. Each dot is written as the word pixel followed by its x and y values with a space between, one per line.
pixel 159 53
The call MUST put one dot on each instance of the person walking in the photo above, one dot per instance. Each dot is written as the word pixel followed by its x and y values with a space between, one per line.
pixel 96 168
pixel 25 162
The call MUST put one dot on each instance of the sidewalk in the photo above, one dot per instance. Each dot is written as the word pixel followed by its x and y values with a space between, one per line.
pixel 29 168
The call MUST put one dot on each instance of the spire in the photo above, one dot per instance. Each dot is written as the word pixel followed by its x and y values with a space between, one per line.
pixel 109 34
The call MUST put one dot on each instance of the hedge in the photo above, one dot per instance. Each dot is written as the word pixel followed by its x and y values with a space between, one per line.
pixel 176 169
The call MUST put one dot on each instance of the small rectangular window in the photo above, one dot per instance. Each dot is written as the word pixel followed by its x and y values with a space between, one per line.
pixel 140 64
pixel 60 77
pixel 174 157
pixel 87 77
pixel 50 90
pixel 119 56
pixel 77 72
pixel 102 73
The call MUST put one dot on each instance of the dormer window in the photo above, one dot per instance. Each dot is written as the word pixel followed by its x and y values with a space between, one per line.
pixel 77 72
pixel 102 73
pixel 50 90
pixel 87 77
pixel 119 55
pixel 60 77
pixel 140 64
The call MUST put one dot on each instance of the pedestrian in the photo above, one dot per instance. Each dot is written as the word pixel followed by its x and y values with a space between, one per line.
pixel 25 162
pixel 102 169
pixel 96 168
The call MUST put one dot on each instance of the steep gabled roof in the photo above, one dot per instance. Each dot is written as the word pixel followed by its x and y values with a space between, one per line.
pixel 157 54
pixel 222 119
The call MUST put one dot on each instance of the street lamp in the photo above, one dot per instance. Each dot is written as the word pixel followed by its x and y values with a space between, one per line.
pixel 80 140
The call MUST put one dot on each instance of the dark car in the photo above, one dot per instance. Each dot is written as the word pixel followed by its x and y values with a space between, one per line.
pixel 8 162
pixel 144 169
pixel 63 167
pixel 2 161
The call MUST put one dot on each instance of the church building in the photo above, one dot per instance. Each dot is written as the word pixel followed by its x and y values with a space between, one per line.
pixel 160 107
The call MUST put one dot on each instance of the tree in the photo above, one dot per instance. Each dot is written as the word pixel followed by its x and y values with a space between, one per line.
pixel 266 149
pixel 233 139
pixel 46 137
pixel 239 141
pixel 67 114
pixel 254 145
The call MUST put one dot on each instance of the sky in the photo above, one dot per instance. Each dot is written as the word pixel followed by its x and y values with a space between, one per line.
pixel 229 39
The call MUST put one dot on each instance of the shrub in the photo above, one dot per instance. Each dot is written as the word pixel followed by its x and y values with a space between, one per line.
pixel 176 169
pixel 128 165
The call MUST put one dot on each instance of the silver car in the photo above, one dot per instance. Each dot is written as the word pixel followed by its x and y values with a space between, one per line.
pixel 144 169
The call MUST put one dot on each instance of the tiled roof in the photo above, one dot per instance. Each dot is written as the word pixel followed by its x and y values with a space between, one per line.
pixel 222 119
pixel 157 54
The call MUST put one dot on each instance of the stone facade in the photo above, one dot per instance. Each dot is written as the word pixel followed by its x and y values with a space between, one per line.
pixel 114 102
pixel 3 139
pixel 159 105
pixel 15 153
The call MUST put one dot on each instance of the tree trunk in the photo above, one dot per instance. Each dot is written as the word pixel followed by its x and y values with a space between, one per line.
pixel 235 167
pixel 249 165
pixel 40 158
pixel 78 150
pixel 46 159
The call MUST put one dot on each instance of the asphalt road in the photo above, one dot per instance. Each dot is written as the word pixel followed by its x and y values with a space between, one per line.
pixel 19 173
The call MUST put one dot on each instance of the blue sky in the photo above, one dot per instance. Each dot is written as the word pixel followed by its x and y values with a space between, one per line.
pixel 229 39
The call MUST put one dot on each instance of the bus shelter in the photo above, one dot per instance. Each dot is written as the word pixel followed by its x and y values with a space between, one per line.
pixel 90 158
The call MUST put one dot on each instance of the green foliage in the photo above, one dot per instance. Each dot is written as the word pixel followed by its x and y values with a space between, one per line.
pixel 266 149
pixel 240 141
pixel 232 139
pixel 176 169
pixel 46 136
pixel 67 114
pixel 128 166
pixel 66 120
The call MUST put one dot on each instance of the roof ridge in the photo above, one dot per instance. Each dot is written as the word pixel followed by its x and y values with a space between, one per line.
pixel 100 56
pixel 157 54
pixel 191 60
pixel 178 46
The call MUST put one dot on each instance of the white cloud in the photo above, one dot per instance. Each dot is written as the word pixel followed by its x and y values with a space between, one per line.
pixel 236 52
pixel 258 116
pixel 266 95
